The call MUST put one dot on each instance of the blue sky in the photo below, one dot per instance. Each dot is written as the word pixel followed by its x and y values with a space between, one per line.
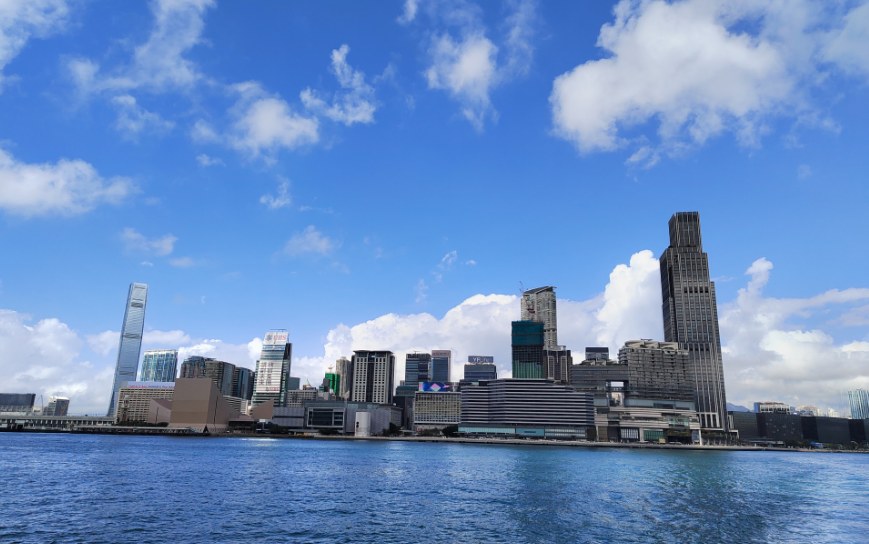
pixel 387 175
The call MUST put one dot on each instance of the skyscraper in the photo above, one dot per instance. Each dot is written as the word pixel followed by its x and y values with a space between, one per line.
pixel 159 365
pixel 539 305
pixel 344 369
pixel 527 338
pixel 441 359
pixel 691 315
pixel 859 403
pixel 480 367
pixel 273 368
pixel 130 344
pixel 373 376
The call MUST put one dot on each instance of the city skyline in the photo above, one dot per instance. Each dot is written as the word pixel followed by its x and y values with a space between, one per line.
pixel 281 165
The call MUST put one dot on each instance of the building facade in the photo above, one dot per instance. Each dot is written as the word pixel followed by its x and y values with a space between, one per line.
pixel 242 383
pixel 527 341
pixel 373 376
pixel 539 305
pixel 690 315
pixel 480 367
pixel 436 409
pixel 159 365
pixel 134 400
pixel 21 403
pixel 558 362
pixel 344 369
pixel 57 406
pixel 441 360
pixel 130 344
pixel 858 401
pixel 273 368
pixel 657 370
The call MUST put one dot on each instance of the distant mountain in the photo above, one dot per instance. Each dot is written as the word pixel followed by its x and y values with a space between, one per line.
pixel 737 408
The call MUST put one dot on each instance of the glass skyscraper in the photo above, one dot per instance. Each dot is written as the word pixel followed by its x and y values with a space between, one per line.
pixel 441 360
pixel 130 345
pixel 273 369
pixel 691 316
pixel 159 365
pixel 858 401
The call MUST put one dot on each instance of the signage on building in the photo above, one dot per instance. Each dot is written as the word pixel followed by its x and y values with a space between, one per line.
pixel 435 387
pixel 481 359
pixel 276 338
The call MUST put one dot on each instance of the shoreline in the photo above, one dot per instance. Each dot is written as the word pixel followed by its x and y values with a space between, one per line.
pixel 149 431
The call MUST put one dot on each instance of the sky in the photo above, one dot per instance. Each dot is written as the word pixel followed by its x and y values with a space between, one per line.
pixel 391 175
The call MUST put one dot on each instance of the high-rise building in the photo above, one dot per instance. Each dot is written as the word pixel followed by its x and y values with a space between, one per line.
pixel 344 369
pixel 273 368
pixel 558 362
pixel 657 370
pixel 373 376
pixel 417 368
pixel 527 340
pixel 193 367
pixel 159 365
pixel 242 382
pixel 539 305
pixel 691 316
pixel 221 374
pixel 480 367
pixel 441 360
pixel 859 403
pixel 130 345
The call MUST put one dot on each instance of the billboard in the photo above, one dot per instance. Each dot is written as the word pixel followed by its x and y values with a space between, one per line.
pixel 481 359
pixel 435 387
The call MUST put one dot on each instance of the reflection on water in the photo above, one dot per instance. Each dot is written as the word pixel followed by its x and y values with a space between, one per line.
pixel 70 488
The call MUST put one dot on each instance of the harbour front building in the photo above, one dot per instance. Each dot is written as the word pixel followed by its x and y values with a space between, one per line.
pixel 525 408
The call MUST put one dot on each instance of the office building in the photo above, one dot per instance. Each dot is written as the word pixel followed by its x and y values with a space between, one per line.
pixel 658 370
pixel 130 344
pixel 221 373
pixel 417 368
pixel 57 406
pixel 134 400
pixel 242 383
pixel 344 369
pixel 273 369
pixel 597 355
pixel 436 409
pixel 193 367
pixel 527 341
pixel 480 367
pixel 858 401
pixel 525 408
pixel 690 315
pixel 373 376
pixel 17 402
pixel 159 365
pixel 539 305
pixel 441 360
pixel 558 363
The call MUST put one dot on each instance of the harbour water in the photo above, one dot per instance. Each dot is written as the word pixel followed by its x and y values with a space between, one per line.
pixel 150 489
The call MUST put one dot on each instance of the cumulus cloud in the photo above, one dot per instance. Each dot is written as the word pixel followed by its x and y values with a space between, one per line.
pixel 280 200
pixel 631 302
pixel 45 358
pixel 264 124
pixel 468 65
pixel 21 20
pixel 67 187
pixel 310 242
pixel 135 241
pixel 133 119
pixel 697 69
pixel 159 64
pixel 354 103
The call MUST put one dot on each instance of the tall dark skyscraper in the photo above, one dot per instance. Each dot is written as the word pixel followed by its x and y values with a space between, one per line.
pixel 130 345
pixel 691 315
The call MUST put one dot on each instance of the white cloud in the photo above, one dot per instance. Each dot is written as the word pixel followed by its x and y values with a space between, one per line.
pixel 697 69
pixel 408 14
pixel 354 104
pixel 21 20
pixel 67 187
pixel 135 241
pixel 631 302
pixel 310 242
pixel 159 64
pixel 202 132
pixel 244 355
pixel 207 160
pixel 266 124
pixel 281 200
pixel 134 119
pixel 44 358
pixel 465 63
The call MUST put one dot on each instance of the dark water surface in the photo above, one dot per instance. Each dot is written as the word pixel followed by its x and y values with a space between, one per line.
pixel 79 488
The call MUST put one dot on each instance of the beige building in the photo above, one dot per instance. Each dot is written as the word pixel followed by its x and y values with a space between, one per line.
pixel 436 410
pixel 198 405
pixel 134 400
